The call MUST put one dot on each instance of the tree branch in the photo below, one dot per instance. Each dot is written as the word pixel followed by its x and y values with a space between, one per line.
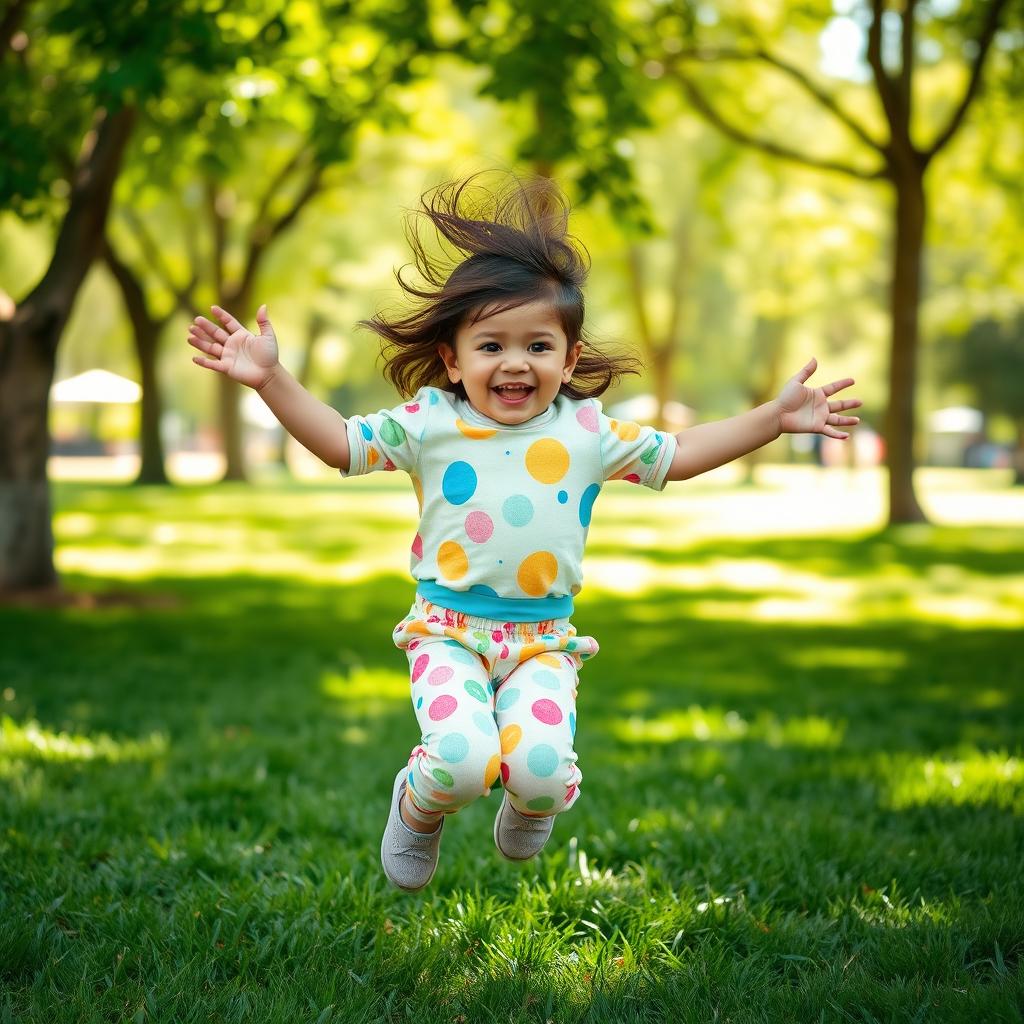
pixel 825 99
pixel 988 32
pixel 883 83
pixel 260 237
pixel 184 297
pixel 906 79
pixel 701 103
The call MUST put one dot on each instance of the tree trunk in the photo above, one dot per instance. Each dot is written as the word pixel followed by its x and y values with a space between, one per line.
pixel 28 354
pixel 146 334
pixel 904 306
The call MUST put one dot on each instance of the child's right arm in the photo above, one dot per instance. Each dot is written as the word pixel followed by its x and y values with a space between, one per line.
pixel 252 360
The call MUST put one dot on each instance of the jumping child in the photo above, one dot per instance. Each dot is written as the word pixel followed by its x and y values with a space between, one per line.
pixel 507 448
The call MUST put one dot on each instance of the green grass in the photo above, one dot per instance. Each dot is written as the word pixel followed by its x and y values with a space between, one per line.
pixel 802 755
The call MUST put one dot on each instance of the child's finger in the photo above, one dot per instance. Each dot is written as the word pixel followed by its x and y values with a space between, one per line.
pixel 204 344
pixel 210 328
pixel 227 319
pixel 210 364
pixel 807 370
pixel 837 385
pixel 262 319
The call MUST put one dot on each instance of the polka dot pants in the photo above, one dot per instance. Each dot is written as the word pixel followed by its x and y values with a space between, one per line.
pixel 494 701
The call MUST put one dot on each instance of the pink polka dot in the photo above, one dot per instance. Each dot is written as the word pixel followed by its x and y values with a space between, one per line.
pixel 569 792
pixel 504 651
pixel 587 417
pixel 419 666
pixel 479 527
pixel 496 636
pixel 546 711
pixel 441 707
pixel 440 675
pixel 415 407
pixel 504 772
pixel 417 546
pixel 632 478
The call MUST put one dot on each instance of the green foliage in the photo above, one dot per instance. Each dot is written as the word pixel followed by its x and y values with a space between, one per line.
pixel 989 358
pixel 782 819
pixel 79 56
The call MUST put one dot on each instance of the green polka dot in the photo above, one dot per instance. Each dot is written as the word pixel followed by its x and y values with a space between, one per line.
pixel 541 803
pixel 474 689
pixel 443 777
pixel 391 432
pixel 542 760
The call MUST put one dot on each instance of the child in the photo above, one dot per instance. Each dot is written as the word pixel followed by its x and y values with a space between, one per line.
pixel 507 449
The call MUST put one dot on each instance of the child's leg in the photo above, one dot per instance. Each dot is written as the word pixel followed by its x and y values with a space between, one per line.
pixel 458 757
pixel 536 714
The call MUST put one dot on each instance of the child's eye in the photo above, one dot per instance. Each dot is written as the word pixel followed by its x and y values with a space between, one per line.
pixel 539 346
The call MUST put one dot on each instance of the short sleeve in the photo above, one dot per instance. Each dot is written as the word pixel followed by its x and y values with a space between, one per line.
pixel 635 453
pixel 389 439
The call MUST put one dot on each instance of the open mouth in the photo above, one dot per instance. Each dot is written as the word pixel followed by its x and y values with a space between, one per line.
pixel 513 394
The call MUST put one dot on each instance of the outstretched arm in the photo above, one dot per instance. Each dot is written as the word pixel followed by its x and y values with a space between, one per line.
pixel 251 359
pixel 797 410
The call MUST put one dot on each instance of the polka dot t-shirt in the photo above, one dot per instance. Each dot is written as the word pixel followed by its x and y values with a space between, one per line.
pixel 505 510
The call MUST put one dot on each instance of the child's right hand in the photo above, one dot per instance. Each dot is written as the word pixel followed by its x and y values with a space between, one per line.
pixel 249 358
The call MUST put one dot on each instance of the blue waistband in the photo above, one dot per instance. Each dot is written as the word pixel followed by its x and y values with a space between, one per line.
pixel 484 602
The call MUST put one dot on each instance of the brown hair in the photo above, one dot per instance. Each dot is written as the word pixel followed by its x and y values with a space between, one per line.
pixel 506 246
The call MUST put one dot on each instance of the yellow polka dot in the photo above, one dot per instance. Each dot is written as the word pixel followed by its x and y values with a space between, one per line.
pixel 627 430
pixel 418 488
pixel 574 589
pixel 547 460
pixel 549 659
pixel 528 651
pixel 536 573
pixel 417 627
pixel 476 433
pixel 372 456
pixel 452 560
pixel 492 771
pixel 510 737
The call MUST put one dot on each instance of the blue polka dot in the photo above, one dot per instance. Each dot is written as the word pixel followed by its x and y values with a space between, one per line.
pixel 485 723
pixel 542 760
pixel 458 483
pixel 506 699
pixel 454 747
pixel 461 655
pixel 367 432
pixel 433 398
pixel 482 588
pixel 410 779
pixel 587 503
pixel 517 510
pixel 419 703
pixel 563 497
pixel 546 678
pixel 572 723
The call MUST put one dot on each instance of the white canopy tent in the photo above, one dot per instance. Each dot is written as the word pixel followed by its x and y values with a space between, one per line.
pixel 98 386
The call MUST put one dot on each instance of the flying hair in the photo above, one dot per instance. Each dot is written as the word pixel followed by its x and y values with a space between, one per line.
pixel 495 245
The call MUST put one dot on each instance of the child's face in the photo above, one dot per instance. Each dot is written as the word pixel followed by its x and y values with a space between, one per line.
pixel 525 347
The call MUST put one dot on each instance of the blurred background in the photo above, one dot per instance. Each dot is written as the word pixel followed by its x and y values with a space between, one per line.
pixel 757 183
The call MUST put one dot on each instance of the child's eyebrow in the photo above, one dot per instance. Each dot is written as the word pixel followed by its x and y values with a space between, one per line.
pixel 502 334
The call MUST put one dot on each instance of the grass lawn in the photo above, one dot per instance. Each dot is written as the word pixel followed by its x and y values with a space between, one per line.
pixel 803 793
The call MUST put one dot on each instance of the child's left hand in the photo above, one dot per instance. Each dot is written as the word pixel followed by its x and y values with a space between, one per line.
pixel 809 411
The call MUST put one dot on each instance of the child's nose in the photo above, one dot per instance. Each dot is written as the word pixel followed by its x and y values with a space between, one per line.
pixel 515 361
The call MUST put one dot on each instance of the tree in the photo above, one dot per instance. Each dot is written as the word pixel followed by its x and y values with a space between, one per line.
pixel 74 75
pixel 896 158
pixel 990 360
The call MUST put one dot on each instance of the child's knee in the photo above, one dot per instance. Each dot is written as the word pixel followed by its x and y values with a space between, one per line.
pixel 544 786
pixel 459 769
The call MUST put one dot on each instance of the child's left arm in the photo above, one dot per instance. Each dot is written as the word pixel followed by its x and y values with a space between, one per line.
pixel 797 410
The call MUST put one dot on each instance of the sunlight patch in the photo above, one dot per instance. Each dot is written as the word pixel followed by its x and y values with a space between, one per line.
pixel 31 740
pixel 992 779
pixel 716 725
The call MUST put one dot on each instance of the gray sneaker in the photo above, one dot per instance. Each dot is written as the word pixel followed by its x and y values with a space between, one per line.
pixel 409 858
pixel 518 837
